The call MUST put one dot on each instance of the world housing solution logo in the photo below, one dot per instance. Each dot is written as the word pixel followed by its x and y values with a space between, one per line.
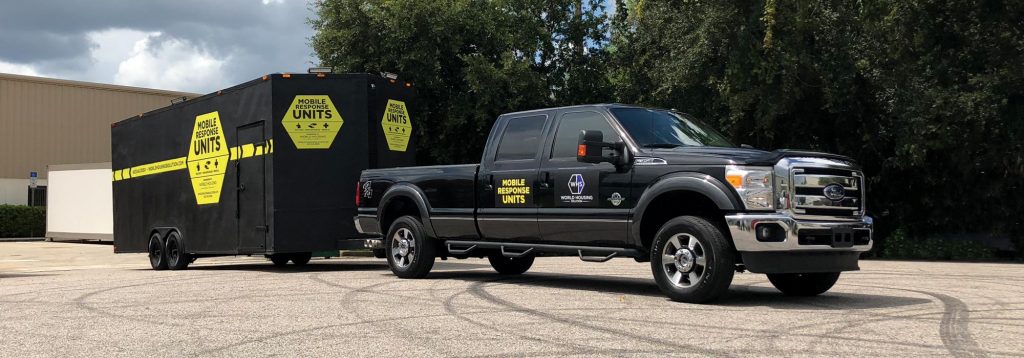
pixel 577 194
pixel 576 184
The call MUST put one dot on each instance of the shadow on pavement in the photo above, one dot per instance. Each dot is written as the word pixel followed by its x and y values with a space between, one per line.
pixel 738 295
pixel 324 266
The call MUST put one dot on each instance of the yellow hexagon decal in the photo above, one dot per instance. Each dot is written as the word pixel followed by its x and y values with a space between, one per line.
pixel 208 158
pixel 312 121
pixel 397 125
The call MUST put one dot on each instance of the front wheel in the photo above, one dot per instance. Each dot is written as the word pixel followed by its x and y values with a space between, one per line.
pixel 691 260
pixel 410 252
pixel 803 284
pixel 508 265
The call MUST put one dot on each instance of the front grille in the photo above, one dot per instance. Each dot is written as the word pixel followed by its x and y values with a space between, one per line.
pixel 809 197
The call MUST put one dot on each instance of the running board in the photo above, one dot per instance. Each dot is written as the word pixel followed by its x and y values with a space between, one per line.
pixel 593 253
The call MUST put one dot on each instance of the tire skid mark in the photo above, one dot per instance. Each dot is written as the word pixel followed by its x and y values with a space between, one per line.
pixel 450 308
pixel 478 289
pixel 953 327
pixel 83 303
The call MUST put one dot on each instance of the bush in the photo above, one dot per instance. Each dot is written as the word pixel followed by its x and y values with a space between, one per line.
pixel 22 221
pixel 899 246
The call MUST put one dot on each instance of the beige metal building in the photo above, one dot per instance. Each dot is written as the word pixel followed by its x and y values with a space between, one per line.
pixel 46 121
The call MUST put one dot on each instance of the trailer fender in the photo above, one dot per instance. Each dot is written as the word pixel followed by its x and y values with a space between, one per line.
pixel 411 192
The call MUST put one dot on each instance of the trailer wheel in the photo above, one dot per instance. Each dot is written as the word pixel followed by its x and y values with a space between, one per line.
pixel 301 258
pixel 279 259
pixel 410 252
pixel 177 258
pixel 157 255
pixel 691 260
pixel 803 284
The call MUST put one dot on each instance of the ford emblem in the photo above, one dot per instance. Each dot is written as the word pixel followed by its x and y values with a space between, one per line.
pixel 834 192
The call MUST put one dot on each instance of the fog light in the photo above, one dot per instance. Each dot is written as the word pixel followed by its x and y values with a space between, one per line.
pixel 770 232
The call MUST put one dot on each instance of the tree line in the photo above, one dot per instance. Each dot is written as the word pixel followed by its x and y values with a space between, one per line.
pixel 928 95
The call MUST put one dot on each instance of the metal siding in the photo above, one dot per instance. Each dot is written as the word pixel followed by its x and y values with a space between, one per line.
pixel 47 121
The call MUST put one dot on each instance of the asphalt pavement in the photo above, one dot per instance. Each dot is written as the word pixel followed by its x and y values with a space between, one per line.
pixel 81 300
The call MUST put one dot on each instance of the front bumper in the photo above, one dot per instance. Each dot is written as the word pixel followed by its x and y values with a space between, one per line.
pixel 742 227
pixel 797 252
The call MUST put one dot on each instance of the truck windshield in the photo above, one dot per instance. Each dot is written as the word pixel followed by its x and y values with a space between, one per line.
pixel 652 128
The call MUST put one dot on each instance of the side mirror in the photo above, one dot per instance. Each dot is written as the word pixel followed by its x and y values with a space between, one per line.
pixel 590 149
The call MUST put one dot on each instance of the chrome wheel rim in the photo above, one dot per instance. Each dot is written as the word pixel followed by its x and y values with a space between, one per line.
pixel 684 260
pixel 403 247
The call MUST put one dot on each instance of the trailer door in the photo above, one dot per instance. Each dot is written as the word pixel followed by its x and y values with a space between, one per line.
pixel 251 172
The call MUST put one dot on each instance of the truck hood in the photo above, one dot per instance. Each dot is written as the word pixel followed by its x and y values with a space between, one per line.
pixel 737 156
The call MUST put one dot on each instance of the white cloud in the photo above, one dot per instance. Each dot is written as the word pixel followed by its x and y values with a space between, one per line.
pixel 18 69
pixel 169 63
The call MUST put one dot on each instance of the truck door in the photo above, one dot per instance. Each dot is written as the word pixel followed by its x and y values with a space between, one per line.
pixel 581 203
pixel 507 205
pixel 251 205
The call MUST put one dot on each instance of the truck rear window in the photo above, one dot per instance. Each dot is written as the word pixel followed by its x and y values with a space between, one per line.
pixel 521 139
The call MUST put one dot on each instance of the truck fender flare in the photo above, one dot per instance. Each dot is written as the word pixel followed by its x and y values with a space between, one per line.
pixel 699 183
pixel 412 193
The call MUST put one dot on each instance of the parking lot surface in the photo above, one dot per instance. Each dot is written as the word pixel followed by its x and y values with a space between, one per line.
pixel 65 299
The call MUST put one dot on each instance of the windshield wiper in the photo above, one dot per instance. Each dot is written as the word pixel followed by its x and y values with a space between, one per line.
pixel 662 145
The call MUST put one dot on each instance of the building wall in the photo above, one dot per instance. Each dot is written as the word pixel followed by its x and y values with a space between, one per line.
pixel 15 191
pixel 46 121
pixel 49 121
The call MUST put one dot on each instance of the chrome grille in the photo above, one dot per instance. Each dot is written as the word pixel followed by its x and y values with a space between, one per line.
pixel 809 197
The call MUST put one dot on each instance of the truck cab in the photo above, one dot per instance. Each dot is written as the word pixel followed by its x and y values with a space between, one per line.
pixel 607 181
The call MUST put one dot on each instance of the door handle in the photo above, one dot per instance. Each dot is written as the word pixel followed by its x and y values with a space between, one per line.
pixel 544 181
pixel 241 187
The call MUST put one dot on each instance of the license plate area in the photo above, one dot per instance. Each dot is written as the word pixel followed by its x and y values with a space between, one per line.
pixel 842 237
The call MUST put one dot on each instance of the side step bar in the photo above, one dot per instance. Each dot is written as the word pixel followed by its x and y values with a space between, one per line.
pixel 585 253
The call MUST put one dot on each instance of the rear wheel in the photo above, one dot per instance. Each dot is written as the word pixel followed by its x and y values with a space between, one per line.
pixel 803 284
pixel 177 258
pixel 157 256
pixel 691 260
pixel 510 266
pixel 301 258
pixel 279 259
pixel 410 252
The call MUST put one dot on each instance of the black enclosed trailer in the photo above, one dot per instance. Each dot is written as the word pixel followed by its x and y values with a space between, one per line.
pixel 268 167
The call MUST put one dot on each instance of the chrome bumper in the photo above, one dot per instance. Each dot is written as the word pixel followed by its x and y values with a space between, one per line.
pixel 742 226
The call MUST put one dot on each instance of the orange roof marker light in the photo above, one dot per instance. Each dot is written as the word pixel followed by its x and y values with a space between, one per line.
pixel 266 77
pixel 286 75
pixel 407 84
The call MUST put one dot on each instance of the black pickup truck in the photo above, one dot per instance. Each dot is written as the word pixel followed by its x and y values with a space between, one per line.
pixel 606 181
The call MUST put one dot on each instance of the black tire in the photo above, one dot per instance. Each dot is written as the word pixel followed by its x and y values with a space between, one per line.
pixel 301 258
pixel 510 266
pixel 419 251
pixel 380 253
pixel 177 257
pixel 709 280
pixel 803 284
pixel 279 259
pixel 157 255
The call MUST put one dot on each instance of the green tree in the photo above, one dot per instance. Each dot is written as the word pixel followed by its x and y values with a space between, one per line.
pixel 927 95
pixel 470 60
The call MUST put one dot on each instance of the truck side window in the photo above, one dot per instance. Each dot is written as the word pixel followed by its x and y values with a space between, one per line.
pixel 569 128
pixel 521 138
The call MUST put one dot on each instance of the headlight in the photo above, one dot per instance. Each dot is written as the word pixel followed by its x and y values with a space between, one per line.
pixel 754 184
